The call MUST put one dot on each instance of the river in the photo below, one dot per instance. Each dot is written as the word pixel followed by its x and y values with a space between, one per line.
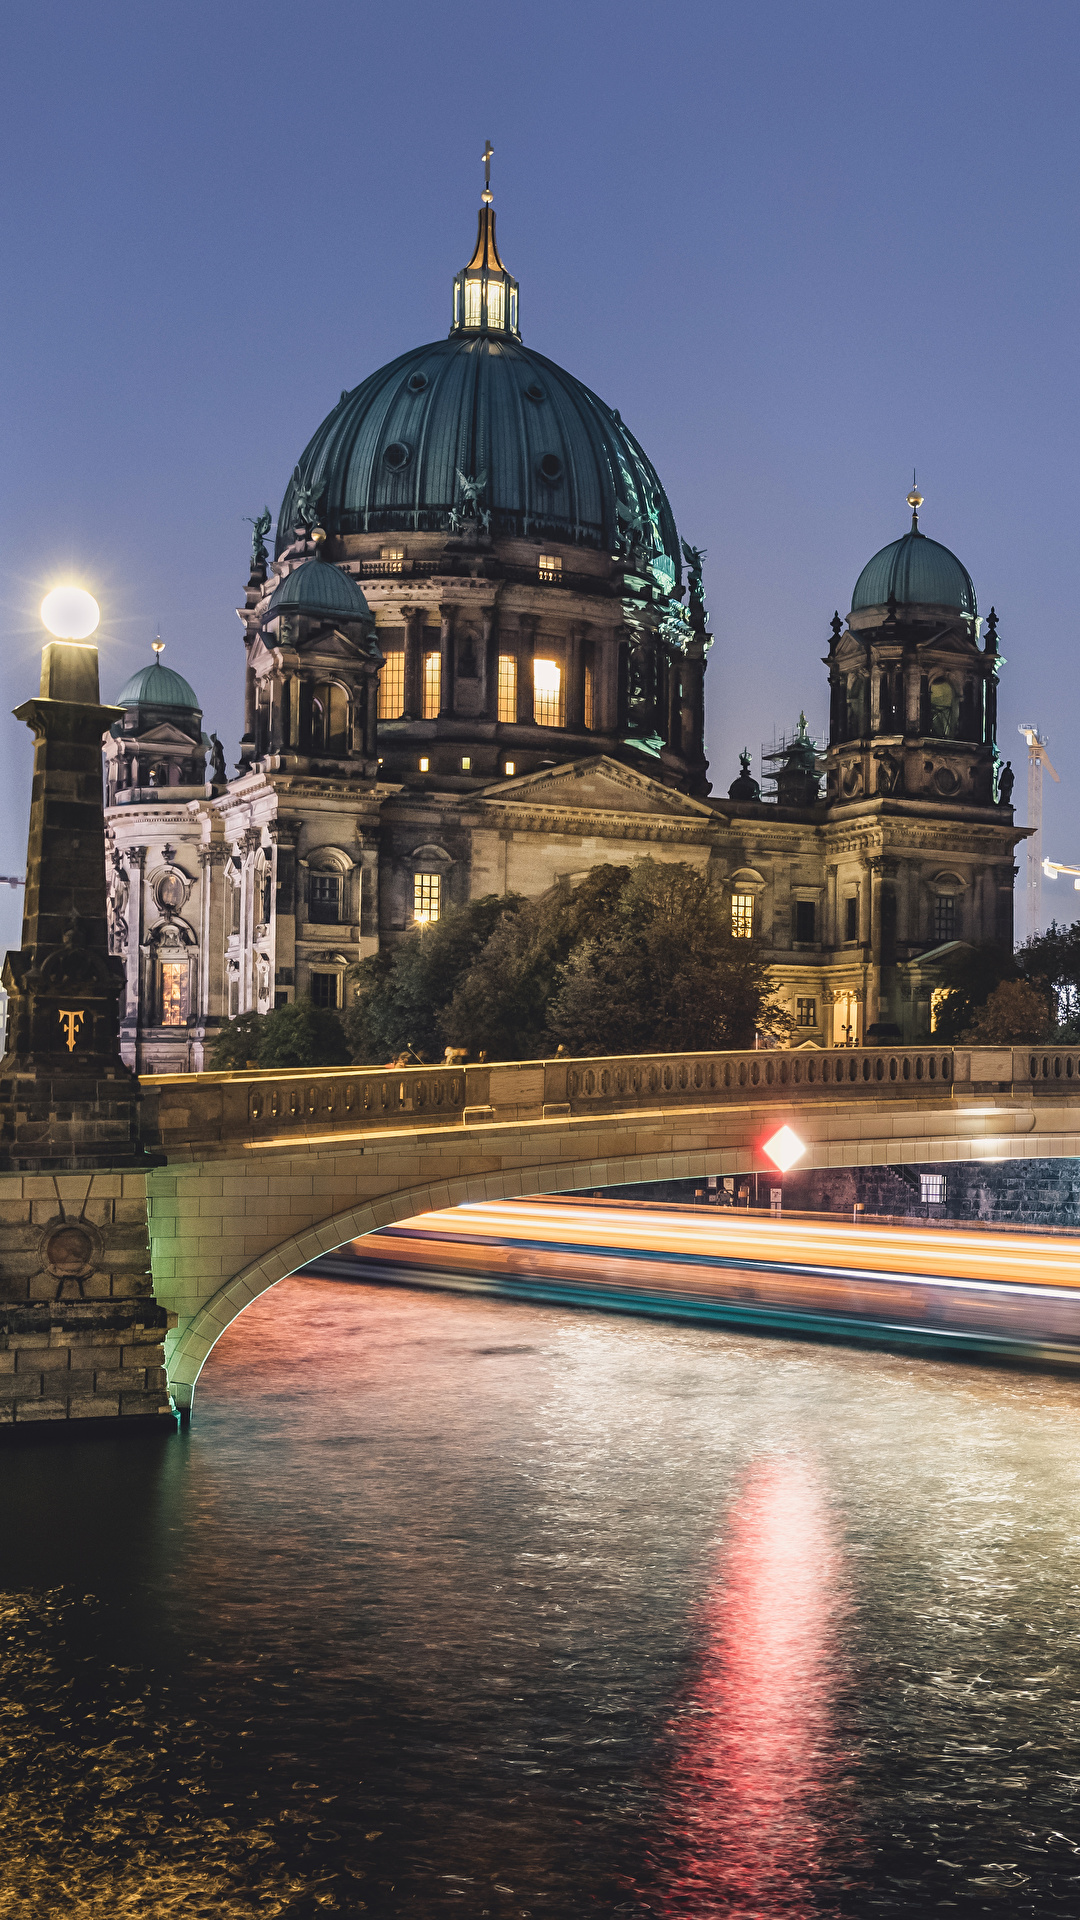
pixel 452 1605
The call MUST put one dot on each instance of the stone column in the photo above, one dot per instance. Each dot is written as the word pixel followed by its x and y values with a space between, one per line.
pixel 80 1331
pixel 606 688
pixel 526 649
pixel 414 663
pixel 912 697
pixel 135 862
pixel 250 842
pixel 575 675
pixel 446 658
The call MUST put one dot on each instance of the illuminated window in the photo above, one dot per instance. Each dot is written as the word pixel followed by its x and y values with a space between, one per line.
pixel 324 989
pixel 392 686
pixel 851 917
pixel 945 917
pixel 466 763
pixel 174 994
pixel 507 686
pixel 547 693
pixel 513 306
pixel 427 898
pixel 932 1189
pixel 424 764
pixel 742 915
pixel 393 559
pixel 806 1013
pixel 324 899
pixel 432 685
pixel 590 698
pixel 550 566
pixel 496 302
pixel 508 768
pixel 472 303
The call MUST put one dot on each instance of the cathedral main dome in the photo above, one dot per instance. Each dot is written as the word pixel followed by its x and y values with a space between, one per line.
pixel 555 461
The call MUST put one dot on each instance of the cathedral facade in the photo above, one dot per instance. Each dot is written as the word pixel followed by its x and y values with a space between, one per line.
pixel 475 664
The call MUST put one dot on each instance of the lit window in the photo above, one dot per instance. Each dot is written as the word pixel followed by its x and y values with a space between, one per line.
pixel 466 763
pixel 547 693
pixel 496 302
pixel 472 303
pixel 324 989
pixel 393 559
pixel 174 982
pixel 513 307
pixel 932 1189
pixel 392 686
pixel 806 1013
pixel 508 768
pixel 590 698
pixel 324 898
pixel 432 685
pixel 945 917
pixel 742 915
pixel 550 566
pixel 424 764
pixel 427 898
pixel 507 687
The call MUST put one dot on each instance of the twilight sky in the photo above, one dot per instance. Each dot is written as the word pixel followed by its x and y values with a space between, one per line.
pixel 802 248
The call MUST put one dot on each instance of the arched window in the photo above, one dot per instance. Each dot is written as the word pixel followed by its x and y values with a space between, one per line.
pixel 944 708
pixel 330 719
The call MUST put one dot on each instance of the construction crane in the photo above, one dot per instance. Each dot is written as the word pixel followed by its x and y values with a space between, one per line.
pixel 1038 758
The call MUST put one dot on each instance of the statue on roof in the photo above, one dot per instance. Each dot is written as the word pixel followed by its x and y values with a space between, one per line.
pixel 261 528
pixel 305 507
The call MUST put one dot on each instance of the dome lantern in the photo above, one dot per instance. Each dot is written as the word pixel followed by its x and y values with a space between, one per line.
pixel 485 295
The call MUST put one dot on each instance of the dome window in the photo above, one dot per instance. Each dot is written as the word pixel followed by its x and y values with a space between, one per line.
pixel 551 469
pixel 397 456
pixel 534 392
pixel 417 382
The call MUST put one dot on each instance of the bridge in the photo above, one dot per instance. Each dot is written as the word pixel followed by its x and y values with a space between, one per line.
pixel 264 1171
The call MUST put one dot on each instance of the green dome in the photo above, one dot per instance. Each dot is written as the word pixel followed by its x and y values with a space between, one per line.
pixel 157 686
pixel 918 573
pixel 320 591
pixel 557 462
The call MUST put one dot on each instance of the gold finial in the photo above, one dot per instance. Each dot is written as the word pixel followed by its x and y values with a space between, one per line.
pixel 487 195
pixel 914 501
pixel 318 535
pixel 159 647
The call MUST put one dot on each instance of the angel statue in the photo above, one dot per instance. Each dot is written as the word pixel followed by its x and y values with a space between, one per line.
pixel 261 528
pixel 694 557
pixel 471 487
pixel 305 511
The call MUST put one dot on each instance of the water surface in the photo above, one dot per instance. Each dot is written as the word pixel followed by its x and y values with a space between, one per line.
pixel 455 1605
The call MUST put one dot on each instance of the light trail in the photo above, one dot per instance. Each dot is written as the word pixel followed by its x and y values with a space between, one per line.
pixel 1004 1293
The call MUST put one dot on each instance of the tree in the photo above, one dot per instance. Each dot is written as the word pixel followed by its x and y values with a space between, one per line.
pixel 1051 962
pixel 397 997
pixel 666 974
pixel 297 1035
pixel 968 978
pixel 1015 1014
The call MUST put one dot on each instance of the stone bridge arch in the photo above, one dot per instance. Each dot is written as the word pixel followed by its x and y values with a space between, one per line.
pixel 189 1350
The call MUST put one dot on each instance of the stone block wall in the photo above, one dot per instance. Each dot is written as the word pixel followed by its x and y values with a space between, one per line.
pixel 81 1335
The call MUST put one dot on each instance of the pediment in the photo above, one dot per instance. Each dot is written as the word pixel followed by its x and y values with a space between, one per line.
pixel 163 735
pixel 329 646
pixel 600 785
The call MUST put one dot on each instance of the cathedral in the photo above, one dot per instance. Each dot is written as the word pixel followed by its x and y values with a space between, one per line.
pixel 476 664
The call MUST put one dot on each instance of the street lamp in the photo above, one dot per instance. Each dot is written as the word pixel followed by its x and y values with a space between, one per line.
pixel 70 613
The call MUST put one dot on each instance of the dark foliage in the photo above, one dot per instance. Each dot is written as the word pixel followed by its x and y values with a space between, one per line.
pixel 968 978
pixel 396 999
pixel 1016 1013
pixel 1051 961
pixel 298 1035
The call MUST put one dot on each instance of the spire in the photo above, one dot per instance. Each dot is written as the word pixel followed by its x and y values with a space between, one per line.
pixel 485 295
pixel 914 501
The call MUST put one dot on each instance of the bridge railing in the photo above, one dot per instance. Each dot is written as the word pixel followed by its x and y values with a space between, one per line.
pixel 191 1114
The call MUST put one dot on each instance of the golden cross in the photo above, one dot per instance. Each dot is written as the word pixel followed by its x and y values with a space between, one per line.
pixel 486 158
pixel 71 1021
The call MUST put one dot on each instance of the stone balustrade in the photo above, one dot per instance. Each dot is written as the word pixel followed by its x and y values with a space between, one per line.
pixel 193 1116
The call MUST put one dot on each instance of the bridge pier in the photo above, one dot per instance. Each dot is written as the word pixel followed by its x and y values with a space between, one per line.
pixel 81 1334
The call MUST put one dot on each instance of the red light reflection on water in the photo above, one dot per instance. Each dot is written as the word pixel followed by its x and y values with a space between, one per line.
pixel 754 1748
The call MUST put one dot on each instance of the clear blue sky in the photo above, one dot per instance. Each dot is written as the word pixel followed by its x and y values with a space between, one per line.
pixel 800 247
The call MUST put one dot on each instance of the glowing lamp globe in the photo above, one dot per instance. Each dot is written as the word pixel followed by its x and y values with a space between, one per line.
pixel 783 1148
pixel 70 613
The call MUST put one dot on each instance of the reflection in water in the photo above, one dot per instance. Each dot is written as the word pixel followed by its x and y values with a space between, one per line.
pixel 753 1742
